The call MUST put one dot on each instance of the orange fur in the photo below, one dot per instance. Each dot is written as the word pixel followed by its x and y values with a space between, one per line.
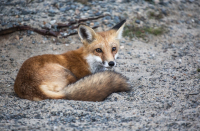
pixel 58 76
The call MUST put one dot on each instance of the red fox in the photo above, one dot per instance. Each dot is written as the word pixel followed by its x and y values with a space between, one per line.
pixel 75 75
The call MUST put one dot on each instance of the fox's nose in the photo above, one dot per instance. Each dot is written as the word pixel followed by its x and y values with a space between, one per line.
pixel 111 63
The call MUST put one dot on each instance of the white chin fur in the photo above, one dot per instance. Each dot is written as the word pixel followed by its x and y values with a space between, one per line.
pixel 95 63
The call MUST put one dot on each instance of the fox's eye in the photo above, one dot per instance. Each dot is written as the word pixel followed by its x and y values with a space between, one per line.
pixel 114 49
pixel 98 50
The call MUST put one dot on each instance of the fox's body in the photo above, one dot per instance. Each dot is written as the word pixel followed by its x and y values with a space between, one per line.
pixel 79 74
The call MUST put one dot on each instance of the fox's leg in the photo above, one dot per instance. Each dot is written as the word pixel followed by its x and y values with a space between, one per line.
pixel 54 78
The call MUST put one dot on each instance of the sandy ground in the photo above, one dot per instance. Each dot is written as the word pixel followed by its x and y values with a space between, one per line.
pixel 163 73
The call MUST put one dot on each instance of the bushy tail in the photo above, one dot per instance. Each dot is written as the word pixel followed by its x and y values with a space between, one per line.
pixel 96 87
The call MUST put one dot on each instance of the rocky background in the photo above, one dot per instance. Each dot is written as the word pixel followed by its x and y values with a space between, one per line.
pixel 160 54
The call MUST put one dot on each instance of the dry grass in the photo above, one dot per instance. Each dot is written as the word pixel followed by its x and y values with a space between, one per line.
pixel 141 32
pixel 153 15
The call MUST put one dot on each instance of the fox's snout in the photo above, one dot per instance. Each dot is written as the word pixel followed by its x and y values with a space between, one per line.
pixel 109 64
pixel 109 59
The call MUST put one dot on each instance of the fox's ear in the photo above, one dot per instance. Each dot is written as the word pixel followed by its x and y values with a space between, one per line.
pixel 119 29
pixel 86 33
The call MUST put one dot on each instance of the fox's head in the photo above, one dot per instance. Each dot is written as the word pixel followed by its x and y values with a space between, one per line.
pixel 101 48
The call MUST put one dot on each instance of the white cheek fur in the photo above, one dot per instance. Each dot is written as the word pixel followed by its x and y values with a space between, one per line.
pixel 95 63
pixel 93 58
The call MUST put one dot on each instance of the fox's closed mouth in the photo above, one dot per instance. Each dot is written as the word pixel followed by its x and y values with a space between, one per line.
pixel 109 67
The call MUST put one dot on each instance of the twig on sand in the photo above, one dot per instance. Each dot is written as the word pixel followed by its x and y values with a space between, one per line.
pixel 48 31
pixel 60 25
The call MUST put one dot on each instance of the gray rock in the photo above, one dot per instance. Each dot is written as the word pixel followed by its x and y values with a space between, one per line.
pixel 164 3
pixel 103 5
pixel 96 23
pixel 129 53
pixel 63 9
pixel 68 8
pixel 47 25
pixel 11 59
pixel 73 6
pixel 107 18
pixel 129 44
pixel 29 32
pixel 188 22
pixel 164 11
pixel 26 18
pixel 191 1
pixel 51 15
pixel 137 21
pixel 110 25
pixel 39 1
pixel 3 23
pixel 52 11
pixel 116 19
pixel 98 13
pixel 9 25
pixel 85 8
pixel 26 12
pixel 63 19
